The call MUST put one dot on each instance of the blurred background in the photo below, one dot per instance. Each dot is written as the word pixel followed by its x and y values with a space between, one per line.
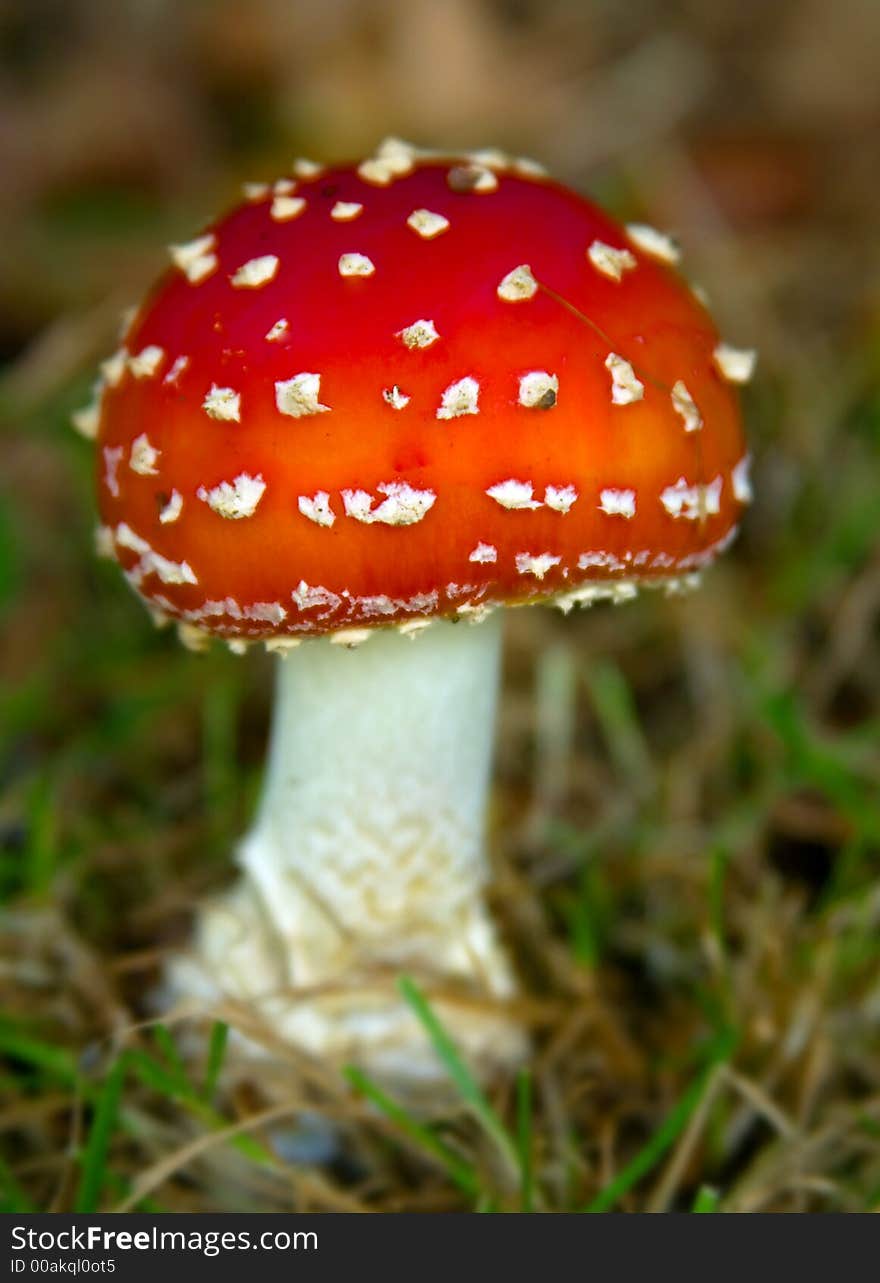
pixel 686 813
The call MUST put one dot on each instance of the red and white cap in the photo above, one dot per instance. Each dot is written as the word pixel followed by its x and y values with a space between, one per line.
pixel 415 387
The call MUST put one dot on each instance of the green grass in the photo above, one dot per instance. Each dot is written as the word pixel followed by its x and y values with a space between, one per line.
pixel 706 1200
pixel 423 1137
pixel 516 1152
pixel 513 1154
pixel 695 918
pixel 87 800
pixel 95 1155
pixel 160 1070
pixel 666 1133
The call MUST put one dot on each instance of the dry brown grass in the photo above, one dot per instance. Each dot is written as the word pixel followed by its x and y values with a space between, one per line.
pixel 685 815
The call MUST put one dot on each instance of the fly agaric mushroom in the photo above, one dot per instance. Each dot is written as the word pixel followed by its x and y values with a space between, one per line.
pixel 359 414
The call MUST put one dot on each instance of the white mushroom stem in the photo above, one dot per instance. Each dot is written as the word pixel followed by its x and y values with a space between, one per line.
pixel 367 856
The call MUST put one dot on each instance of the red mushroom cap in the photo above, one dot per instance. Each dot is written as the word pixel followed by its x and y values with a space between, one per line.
pixel 414 388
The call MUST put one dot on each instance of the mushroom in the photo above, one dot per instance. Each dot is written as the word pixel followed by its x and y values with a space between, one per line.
pixel 352 424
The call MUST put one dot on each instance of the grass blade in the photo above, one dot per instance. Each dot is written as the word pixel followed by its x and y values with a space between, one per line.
pixel 615 711
pixel 524 1138
pixel 12 1197
pixel 55 1062
pixel 166 1044
pixel 666 1134
pixel 707 1200
pixel 459 1073
pixel 158 1078
pixel 216 1054
pixel 459 1171
pixel 100 1134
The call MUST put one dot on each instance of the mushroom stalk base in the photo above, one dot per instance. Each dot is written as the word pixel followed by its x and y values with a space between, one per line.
pixel 367 858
